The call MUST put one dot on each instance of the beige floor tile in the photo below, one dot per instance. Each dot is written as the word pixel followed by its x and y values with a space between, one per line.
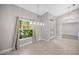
pixel 54 47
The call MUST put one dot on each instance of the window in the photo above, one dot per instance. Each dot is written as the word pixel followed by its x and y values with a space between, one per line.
pixel 26 29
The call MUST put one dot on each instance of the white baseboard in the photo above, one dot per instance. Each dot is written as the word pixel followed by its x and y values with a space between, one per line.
pixel 6 50
pixel 45 39
pixel 40 39
pixel 25 44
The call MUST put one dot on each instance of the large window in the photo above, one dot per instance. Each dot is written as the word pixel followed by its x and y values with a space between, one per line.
pixel 26 29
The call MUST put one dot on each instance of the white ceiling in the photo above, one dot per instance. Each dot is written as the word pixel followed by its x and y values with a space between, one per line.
pixel 55 9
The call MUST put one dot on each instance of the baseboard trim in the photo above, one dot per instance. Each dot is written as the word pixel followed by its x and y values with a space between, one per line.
pixel 10 49
pixel 40 39
pixel 70 36
pixel 5 51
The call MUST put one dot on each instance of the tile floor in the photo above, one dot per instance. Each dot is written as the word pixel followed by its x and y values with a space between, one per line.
pixel 53 47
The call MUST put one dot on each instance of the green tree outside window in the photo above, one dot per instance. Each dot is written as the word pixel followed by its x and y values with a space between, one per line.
pixel 26 29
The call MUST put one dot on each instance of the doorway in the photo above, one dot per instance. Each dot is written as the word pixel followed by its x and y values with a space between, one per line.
pixel 70 30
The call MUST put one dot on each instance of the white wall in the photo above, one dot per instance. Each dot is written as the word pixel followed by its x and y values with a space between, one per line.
pixel 70 29
pixel 60 20
pixel 8 15
pixel 45 28
pixel 45 18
